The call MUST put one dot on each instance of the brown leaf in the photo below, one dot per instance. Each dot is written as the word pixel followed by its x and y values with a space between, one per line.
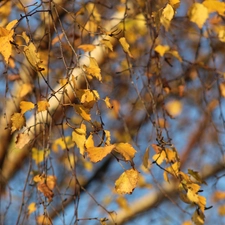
pixel 21 140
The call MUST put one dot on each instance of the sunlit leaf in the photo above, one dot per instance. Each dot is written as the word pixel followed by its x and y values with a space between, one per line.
pixel 42 105
pixel 215 6
pixel 127 182
pixel 79 137
pixel 160 157
pixel 175 54
pixel 6 35
pixel 83 112
pixel 44 220
pixel 21 140
pixel 93 69
pixel 26 106
pixel 218 196
pixel 39 155
pixel 107 44
pixel 122 202
pixel 198 218
pixel 63 143
pixel 96 154
pixel 125 46
pixel 162 49
pixel 145 160
pixel 167 16
pixel 31 208
pixel 107 102
pixel 174 3
pixel 18 121
pixel 198 14
pixel 221 210
pixel 188 222
pixel 222 89
pixel 174 107
pixel 126 150
pixel 89 143
pixel 87 97
pixel 87 47
pixel 25 89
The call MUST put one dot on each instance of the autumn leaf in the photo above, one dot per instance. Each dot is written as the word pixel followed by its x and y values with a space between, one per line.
pixel 126 150
pixel 96 154
pixel 107 137
pixel 6 36
pixel 174 3
pixel 127 182
pixel 174 107
pixel 25 89
pixel 107 44
pixel 21 140
pixel 39 155
pixel 145 160
pixel 26 106
pixel 79 137
pixel 167 16
pixel 215 6
pixel 87 47
pixel 44 220
pixel 221 210
pixel 162 49
pixel 198 218
pixel 198 14
pixel 42 106
pixel 93 69
pixel 125 46
pixel 63 143
pixel 83 112
pixel 31 208
pixel 107 102
pixel 222 89
pixel 89 143
pixel 18 121
pixel 88 97
pixel 159 158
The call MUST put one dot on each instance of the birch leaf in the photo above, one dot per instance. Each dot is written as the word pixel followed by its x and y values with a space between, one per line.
pixel 125 46
pixel 126 150
pixel 93 69
pixel 18 121
pixel 42 105
pixel 26 106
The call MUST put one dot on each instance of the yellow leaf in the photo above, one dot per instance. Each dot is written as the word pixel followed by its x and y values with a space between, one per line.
pixel 172 170
pixel 31 208
pixel 25 89
pixel 107 137
pixel 145 160
pixel 87 47
pixel 18 121
pixel 215 6
pixel 83 112
pixel 174 107
pixel 221 210
pixel 107 44
pixel 125 46
pixel 63 82
pixel 96 154
pixel 198 14
pixel 63 143
pixel 175 54
pixel 107 102
pixel 162 49
pixel 26 106
pixel 202 203
pixel 89 143
pixel 167 16
pixel 127 182
pixel 93 69
pixel 122 202
pixel 196 175
pixel 174 3
pixel 222 89
pixel 39 155
pixel 218 196
pixel 5 10
pixel 192 196
pixel 44 220
pixel 126 150
pixel 89 98
pixel 22 140
pixel 42 106
pixel 198 218
pixel 184 198
pixel 79 137
pixel 160 157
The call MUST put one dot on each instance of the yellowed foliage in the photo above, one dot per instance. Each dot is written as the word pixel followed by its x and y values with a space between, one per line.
pixel 172 170
pixel 83 112
pixel 31 54
pixel 107 44
pixel 107 137
pixel 174 3
pixel 89 143
pixel 145 160
pixel 26 106
pixel 221 210
pixel 174 107
pixel 126 150
pixel 167 16
pixel 87 97
pixel 39 155
pixel 25 89
pixel 122 202
pixel 198 218
pixel 92 10
pixel 198 14
pixel 107 102
pixel 96 154
pixel 93 69
pixel 22 140
pixel 175 54
pixel 44 220
pixel 18 121
pixel 162 49
pixel 42 106
pixel 5 10
pixel 63 143
pixel 218 196
pixel 127 182
pixel 79 137
pixel 160 157
pixel 87 47
pixel 31 208
pixel 6 35
pixel 63 82
pixel 222 89
pixel 215 6
pixel 125 46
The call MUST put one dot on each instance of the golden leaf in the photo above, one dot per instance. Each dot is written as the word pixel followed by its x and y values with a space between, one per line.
pixel 174 3
pixel 215 6
pixel 93 69
pixel 222 89
pixel 160 157
pixel 145 160
pixel 107 102
pixel 127 182
pixel 39 155
pixel 79 137
pixel 44 220
pixel 63 143
pixel 202 203
pixel 122 202
pixel 31 208
pixel 42 106
pixel 218 195
pixel 83 112
pixel 25 89
pixel 107 137
pixel 162 49
pixel 96 154
pixel 18 121
pixel 198 218
pixel 174 107
pixel 221 210
pixel 175 54
pixel 89 98
pixel 167 16
pixel 107 44
pixel 125 46
pixel 6 35
pixel 87 47
pixel 126 150
pixel 198 14
pixel 192 196
pixel 26 106
pixel 89 143
pixel 22 140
